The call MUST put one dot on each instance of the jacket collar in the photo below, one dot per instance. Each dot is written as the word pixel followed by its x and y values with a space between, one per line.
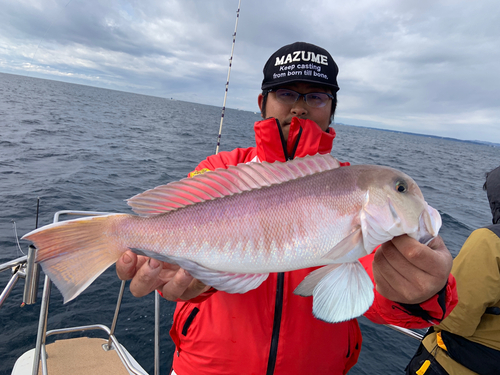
pixel 305 138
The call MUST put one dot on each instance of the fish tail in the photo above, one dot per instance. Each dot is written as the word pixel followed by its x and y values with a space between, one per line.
pixel 74 253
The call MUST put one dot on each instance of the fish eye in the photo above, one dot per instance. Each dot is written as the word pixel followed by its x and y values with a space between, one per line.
pixel 401 186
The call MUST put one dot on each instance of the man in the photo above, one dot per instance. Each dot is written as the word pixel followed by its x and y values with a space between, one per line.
pixel 467 342
pixel 270 330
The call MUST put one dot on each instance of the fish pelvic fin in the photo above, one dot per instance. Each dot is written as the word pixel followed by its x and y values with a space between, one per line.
pixel 223 281
pixel 340 291
pixel 74 253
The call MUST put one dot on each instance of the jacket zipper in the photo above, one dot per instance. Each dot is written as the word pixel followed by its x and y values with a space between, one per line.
pixel 278 305
pixel 284 142
pixel 278 309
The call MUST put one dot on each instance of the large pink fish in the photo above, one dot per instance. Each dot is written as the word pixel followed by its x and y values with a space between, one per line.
pixel 231 227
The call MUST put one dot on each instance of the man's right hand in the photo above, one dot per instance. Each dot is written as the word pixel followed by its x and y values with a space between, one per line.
pixel 149 274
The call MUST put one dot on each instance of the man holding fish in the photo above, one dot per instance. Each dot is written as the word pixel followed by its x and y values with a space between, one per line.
pixel 271 330
pixel 245 242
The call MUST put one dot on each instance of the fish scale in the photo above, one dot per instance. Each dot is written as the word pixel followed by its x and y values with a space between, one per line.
pixel 275 229
pixel 230 228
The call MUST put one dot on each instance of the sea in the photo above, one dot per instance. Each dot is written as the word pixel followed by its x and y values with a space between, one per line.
pixel 74 147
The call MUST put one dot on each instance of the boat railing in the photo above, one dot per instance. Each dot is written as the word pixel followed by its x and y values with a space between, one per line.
pixel 26 268
pixel 22 268
pixel 18 267
pixel 407 332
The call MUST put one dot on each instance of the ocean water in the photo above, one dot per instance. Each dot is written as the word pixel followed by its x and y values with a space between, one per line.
pixel 84 148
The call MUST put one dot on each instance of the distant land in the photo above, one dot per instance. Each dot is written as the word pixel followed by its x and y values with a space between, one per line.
pixel 491 144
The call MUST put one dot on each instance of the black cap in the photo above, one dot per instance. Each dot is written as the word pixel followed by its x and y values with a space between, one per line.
pixel 303 62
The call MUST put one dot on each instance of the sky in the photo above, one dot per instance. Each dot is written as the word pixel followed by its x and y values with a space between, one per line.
pixel 421 66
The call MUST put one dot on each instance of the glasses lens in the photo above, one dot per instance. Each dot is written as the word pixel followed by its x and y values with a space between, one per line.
pixel 286 96
pixel 316 99
pixel 313 99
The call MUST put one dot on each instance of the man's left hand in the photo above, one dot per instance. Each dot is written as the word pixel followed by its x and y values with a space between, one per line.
pixel 407 271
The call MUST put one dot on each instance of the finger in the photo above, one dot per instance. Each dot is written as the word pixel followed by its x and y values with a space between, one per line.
pixel 183 286
pixel 412 250
pixel 194 290
pixel 443 263
pixel 391 271
pixel 176 287
pixel 147 278
pixel 437 244
pixel 126 266
pixel 392 263
pixel 435 259
pixel 168 271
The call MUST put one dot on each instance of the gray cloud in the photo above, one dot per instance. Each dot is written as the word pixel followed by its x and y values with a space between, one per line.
pixel 421 66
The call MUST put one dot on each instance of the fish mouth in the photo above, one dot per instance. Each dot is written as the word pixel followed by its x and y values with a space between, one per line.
pixel 429 224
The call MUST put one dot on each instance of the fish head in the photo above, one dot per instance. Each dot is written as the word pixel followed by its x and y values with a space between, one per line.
pixel 393 206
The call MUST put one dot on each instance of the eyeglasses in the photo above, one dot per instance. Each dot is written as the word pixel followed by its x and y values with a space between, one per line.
pixel 313 99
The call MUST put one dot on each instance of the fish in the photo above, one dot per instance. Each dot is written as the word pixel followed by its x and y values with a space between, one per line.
pixel 230 228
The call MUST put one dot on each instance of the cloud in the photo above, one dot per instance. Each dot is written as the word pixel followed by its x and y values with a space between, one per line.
pixel 427 66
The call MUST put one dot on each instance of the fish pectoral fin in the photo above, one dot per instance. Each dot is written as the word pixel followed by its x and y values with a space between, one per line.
pixel 340 292
pixel 224 281
pixel 349 249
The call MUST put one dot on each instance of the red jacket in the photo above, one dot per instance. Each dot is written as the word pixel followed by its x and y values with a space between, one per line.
pixel 270 330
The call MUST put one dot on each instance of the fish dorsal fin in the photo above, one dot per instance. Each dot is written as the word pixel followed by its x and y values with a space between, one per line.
pixel 224 182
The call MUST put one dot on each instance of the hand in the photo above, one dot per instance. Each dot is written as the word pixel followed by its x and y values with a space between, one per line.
pixel 148 274
pixel 407 271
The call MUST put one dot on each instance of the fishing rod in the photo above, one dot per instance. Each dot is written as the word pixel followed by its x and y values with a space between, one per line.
pixel 227 82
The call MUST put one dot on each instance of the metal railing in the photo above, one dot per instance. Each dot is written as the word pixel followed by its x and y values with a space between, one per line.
pixel 26 268
pixel 23 268
pixel 406 331
pixel 17 266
